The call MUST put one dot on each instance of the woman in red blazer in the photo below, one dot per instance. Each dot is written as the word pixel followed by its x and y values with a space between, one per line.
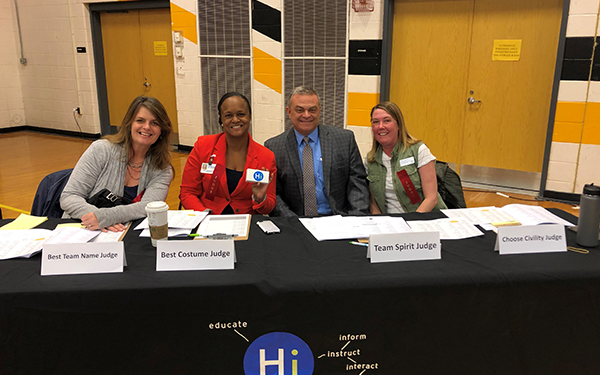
pixel 214 176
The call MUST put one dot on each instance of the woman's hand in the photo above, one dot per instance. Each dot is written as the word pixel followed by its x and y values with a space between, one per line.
pixel 259 189
pixel 114 228
pixel 90 221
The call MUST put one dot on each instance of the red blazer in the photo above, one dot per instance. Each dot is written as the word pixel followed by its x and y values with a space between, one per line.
pixel 195 184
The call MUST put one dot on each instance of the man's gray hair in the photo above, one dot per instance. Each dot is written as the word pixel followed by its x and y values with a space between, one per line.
pixel 303 90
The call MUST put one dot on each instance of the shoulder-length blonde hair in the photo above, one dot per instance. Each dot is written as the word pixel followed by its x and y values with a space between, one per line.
pixel 403 136
pixel 161 155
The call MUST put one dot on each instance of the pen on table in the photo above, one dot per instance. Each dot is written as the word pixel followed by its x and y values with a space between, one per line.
pixel 194 235
pixel 359 243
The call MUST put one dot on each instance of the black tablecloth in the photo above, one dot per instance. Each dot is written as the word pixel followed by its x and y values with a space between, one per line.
pixel 472 312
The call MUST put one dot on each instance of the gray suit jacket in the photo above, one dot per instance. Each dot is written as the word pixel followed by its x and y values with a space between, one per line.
pixel 343 173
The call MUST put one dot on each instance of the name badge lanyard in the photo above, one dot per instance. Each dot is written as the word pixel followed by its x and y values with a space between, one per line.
pixel 214 180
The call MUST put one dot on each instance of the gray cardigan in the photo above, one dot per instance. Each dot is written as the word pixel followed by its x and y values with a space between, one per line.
pixel 102 166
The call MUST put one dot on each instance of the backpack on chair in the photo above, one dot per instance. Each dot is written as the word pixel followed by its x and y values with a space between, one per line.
pixel 449 186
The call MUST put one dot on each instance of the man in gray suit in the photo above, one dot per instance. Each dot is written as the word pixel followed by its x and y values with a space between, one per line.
pixel 340 183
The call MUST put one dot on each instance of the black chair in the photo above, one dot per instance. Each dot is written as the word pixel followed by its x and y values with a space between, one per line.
pixel 449 186
pixel 47 197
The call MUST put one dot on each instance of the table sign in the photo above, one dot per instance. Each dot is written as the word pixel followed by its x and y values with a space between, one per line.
pixel 399 247
pixel 531 239
pixel 195 255
pixel 82 258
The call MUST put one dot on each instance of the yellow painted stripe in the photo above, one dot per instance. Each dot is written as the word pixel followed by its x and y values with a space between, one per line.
pixel 185 21
pixel 15 209
pixel 267 69
pixel 591 127
pixel 362 100
pixel 359 117
pixel 569 132
pixel 569 112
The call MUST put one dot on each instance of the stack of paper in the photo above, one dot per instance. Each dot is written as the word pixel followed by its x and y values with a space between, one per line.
pixel 340 228
pixel 450 229
pixel 518 213
pixel 181 223
pixel 24 222
pixel 27 242
pixel 22 243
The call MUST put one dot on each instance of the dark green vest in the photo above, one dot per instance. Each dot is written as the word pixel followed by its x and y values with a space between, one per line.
pixel 377 173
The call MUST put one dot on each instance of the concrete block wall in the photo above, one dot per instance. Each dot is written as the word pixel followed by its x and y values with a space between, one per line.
pixel 56 79
pixel 365 29
pixel 268 101
pixel 188 85
pixel 12 111
pixel 576 136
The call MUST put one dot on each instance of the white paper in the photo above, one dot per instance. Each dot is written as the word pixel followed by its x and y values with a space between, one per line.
pixel 109 236
pixel 340 228
pixel 479 215
pixel 236 225
pixel 533 215
pixel 71 235
pixel 171 232
pixel 179 219
pixel 22 242
pixel 450 229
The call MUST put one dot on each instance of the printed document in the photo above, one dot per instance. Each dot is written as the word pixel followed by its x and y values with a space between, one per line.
pixel 22 243
pixel 179 219
pixel 348 227
pixel 450 229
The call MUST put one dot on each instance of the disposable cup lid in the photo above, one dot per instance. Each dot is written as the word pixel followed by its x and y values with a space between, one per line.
pixel 157 206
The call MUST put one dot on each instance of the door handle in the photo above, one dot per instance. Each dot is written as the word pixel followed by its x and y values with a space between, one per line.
pixel 472 100
pixel 146 83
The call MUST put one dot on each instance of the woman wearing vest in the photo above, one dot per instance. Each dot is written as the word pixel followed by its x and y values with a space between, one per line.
pixel 214 176
pixel 401 169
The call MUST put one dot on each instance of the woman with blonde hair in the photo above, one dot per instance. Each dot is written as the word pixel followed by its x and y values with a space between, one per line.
pixel 400 168
pixel 133 165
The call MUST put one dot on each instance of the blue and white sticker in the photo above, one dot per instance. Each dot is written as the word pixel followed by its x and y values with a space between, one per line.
pixel 255 175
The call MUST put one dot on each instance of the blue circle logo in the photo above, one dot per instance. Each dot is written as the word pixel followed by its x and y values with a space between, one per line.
pixel 278 353
pixel 258 176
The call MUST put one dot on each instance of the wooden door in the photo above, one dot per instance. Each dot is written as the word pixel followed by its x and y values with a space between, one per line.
pixel 430 61
pixel 508 128
pixel 442 50
pixel 138 57
pixel 122 61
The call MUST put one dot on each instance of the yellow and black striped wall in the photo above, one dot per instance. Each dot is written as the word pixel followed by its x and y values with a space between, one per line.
pixel 575 147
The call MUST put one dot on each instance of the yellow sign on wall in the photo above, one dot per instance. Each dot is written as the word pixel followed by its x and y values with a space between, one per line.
pixel 507 50
pixel 160 48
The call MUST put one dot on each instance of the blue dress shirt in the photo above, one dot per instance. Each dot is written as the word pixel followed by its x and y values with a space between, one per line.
pixel 315 144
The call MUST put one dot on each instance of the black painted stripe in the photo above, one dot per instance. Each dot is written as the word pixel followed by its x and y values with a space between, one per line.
pixel 266 20
pixel 576 70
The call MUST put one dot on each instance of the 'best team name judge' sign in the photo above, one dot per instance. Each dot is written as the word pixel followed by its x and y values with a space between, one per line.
pixel 195 255
pixel 400 247
pixel 79 258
